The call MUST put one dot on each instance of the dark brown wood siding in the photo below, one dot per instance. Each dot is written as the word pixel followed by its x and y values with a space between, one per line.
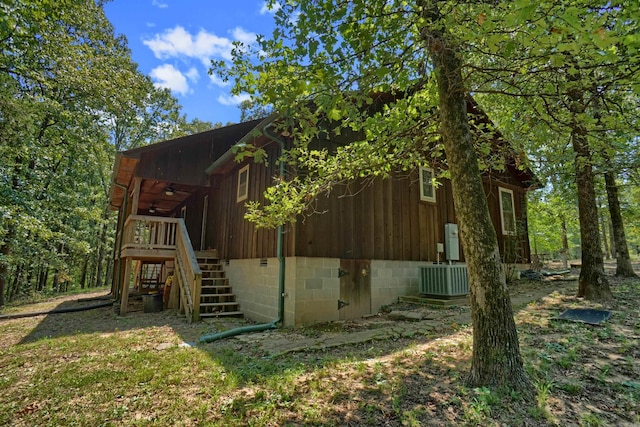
pixel 383 219
pixel 386 219
pixel 184 160
pixel 181 164
pixel 517 247
pixel 193 220
pixel 227 230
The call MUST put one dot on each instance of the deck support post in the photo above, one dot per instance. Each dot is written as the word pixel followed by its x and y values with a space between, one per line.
pixel 124 299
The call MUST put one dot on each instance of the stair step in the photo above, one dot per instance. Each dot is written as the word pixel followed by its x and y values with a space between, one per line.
pixel 217 304
pixel 210 267
pixel 216 287
pixel 207 280
pixel 229 295
pixel 221 313
pixel 213 273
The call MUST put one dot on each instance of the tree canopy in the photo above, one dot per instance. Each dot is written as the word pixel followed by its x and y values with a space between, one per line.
pixel 70 97
pixel 395 75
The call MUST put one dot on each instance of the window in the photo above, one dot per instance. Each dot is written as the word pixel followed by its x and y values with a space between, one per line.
pixel 243 183
pixel 507 211
pixel 427 185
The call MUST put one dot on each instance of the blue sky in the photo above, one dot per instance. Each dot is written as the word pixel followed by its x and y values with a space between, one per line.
pixel 173 42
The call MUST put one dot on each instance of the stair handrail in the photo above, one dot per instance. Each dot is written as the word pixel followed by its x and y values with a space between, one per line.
pixel 188 272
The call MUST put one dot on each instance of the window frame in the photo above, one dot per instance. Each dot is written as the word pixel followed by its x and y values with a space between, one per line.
pixel 242 194
pixel 501 192
pixel 432 174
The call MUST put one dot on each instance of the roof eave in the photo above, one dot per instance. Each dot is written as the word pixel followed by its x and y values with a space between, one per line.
pixel 230 154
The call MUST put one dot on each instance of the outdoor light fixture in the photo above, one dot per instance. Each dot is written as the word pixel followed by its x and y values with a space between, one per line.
pixel 169 191
pixel 152 209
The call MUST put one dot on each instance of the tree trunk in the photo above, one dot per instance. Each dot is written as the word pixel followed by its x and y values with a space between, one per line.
pixel 15 283
pixel 612 241
pixel 593 284
pixel 564 253
pixel 496 358
pixel 27 280
pixel 42 277
pixel 5 249
pixel 101 245
pixel 54 285
pixel 605 239
pixel 83 275
pixel 109 273
pixel 623 261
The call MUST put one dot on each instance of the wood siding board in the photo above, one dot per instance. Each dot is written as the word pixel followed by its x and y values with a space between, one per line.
pixel 358 220
pixel 422 231
pixel 367 221
pixel 347 231
pixel 396 203
pixel 335 204
pixel 388 218
pixel 378 219
pixel 414 202
pixel 324 235
pixel 406 219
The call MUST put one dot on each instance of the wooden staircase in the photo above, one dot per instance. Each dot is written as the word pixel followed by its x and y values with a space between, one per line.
pixel 216 296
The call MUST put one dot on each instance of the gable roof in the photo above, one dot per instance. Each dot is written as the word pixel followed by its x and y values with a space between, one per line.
pixel 127 163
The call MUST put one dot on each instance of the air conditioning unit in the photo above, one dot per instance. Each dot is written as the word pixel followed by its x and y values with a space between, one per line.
pixel 444 280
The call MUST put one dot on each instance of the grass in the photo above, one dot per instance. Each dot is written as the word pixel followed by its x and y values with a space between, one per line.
pixel 97 369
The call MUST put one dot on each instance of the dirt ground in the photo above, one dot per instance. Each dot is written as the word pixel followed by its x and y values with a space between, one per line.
pixel 584 375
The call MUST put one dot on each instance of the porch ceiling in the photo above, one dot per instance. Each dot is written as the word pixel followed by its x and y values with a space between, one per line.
pixel 153 193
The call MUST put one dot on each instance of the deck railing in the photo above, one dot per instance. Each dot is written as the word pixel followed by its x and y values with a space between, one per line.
pixel 151 233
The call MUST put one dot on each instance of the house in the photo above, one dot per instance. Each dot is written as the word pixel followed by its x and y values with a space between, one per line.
pixel 181 207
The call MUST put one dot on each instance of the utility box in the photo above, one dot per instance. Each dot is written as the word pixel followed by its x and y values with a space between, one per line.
pixel 451 242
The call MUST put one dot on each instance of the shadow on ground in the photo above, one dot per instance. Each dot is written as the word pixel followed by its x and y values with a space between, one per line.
pixel 270 343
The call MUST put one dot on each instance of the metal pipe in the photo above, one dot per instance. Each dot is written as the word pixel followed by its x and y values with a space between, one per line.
pixel 281 274
pixel 280 237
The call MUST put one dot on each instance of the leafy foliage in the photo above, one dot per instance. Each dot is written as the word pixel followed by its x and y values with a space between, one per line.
pixel 70 97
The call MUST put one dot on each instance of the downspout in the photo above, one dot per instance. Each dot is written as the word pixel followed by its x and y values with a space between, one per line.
pixel 281 273
pixel 119 243
pixel 280 238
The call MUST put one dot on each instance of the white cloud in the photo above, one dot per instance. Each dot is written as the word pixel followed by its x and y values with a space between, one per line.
pixel 192 74
pixel 217 80
pixel 167 76
pixel 160 4
pixel 264 10
pixel 243 36
pixel 233 99
pixel 177 42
